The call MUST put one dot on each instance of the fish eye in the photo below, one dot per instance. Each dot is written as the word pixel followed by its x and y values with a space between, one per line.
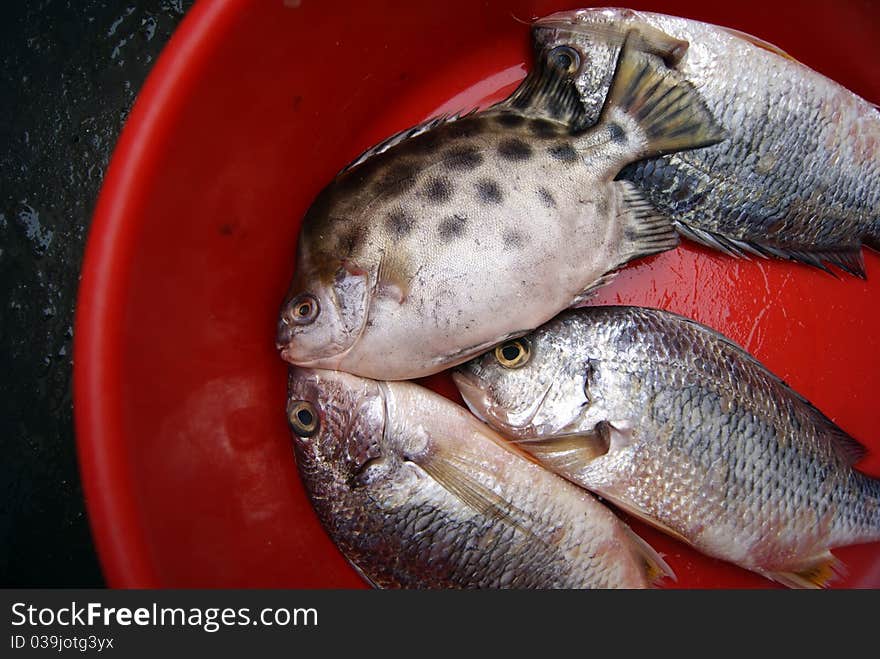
pixel 513 354
pixel 303 418
pixel 304 309
pixel 566 58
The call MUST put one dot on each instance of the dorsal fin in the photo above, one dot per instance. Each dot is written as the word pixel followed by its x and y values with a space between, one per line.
pixel 549 92
pixel 760 43
pixel 403 135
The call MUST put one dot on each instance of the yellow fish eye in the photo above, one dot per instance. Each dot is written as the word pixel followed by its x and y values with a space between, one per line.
pixel 303 418
pixel 304 309
pixel 513 354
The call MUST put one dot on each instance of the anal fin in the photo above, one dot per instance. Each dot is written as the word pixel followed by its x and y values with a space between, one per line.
pixel 630 508
pixel 646 231
pixel 815 574
pixel 848 259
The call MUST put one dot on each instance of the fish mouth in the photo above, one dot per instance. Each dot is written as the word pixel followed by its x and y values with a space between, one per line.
pixel 285 341
pixel 514 425
pixel 474 397
pixel 326 363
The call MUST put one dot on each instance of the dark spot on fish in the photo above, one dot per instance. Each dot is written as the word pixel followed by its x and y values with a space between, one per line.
pixel 543 128
pixel 227 229
pixel 297 99
pixel 563 152
pixel 463 157
pixel 513 239
pixel 547 197
pixel 514 149
pixel 464 128
pixel 353 178
pixel 427 142
pixel 510 119
pixel 438 189
pixel 349 241
pixel 489 191
pixel 682 192
pixel 399 222
pixel 617 133
pixel 452 227
pixel 397 179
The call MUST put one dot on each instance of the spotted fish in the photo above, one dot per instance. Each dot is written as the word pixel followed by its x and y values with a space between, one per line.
pixel 798 177
pixel 419 494
pixel 451 237
pixel 677 425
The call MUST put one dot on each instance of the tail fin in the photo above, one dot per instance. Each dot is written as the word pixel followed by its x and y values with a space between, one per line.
pixel 658 105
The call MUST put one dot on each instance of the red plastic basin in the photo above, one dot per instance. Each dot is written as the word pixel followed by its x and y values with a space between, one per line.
pixel 254 105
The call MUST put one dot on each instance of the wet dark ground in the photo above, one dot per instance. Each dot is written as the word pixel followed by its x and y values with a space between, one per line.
pixel 69 73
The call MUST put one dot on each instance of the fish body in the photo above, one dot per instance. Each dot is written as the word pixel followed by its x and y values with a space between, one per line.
pixel 799 175
pixel 433 246
pixel 681 427
pixel 418 494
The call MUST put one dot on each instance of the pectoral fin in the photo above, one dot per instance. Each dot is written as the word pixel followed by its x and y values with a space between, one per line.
pixel 665 109
pixel 568 454
pixel 457 476
pixel 393 279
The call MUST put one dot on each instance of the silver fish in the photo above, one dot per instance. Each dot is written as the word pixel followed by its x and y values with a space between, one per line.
pixel 799 176
pixel 682 428
pixel 419 494
pixel 448 238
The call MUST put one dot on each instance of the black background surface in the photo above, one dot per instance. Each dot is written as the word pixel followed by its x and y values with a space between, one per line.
pixel 69 73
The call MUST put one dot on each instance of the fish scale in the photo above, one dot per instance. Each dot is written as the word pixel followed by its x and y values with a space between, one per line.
pixel 682 428
pixel 411 260
pixel 798 176
pixel 443 502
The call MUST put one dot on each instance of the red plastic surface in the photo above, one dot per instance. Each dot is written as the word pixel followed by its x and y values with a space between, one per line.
pixel 254 105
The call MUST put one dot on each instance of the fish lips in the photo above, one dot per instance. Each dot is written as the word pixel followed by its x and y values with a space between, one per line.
pixel 481 406
pixel 344 307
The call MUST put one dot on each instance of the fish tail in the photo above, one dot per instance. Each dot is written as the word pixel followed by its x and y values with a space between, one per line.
pixel 662 111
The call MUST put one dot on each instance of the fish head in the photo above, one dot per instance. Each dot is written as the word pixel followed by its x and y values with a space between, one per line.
pixel 592 40
pixel 325 310
pixel 337 424
pixel 524 387
pixel 593 51
pixel 322 317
